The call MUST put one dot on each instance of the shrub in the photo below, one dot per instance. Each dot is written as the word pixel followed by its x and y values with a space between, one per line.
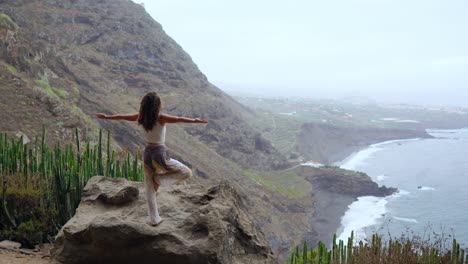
pixel 62 93
pixel 30 222
pixel 44 86
pixel 7 22
pixel 12 69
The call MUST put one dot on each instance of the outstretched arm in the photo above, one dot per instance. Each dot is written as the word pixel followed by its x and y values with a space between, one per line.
pixel 177 119
pixel 132 117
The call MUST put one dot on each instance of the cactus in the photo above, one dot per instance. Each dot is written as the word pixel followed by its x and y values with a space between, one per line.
pixel 376 252
pixel 99 154
pixel 62 172
pixel 304 253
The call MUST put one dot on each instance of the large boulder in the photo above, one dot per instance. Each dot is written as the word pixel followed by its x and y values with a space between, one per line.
pixel 201 225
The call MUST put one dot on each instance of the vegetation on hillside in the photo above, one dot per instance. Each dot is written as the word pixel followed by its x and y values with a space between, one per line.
pixel 347 113
pixel 399 251
pixel 6 21
pixel 12 69
pixel 41 187
pixel 286 182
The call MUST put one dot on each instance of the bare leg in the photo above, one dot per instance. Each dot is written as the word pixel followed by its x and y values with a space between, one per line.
pixel 155 184
pixel 153 214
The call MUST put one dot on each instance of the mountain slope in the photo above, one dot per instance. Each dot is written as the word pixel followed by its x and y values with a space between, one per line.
pixel 110 53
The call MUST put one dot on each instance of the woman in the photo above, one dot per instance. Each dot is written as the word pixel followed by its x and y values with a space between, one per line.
pixel 159 169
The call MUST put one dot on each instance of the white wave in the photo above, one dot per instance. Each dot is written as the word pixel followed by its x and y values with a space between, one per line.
pixel 289 114
pixel 398 120
pixel 381 177
pixel 426 188
pixel 408 220
pixel 358 158
pixel 312 164
pixel 394 141
pixel 400 193
pixel 407 121
pixel 446 131
pixel 366 211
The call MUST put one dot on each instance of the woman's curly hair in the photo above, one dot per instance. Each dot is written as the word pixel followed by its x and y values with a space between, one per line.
pixel 150 107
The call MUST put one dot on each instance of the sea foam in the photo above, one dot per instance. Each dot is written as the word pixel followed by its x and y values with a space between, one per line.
pixel 359 158
pixel 426 188
pixel 408 220
pixel 366 211
pixel 381 177
pixel 400 193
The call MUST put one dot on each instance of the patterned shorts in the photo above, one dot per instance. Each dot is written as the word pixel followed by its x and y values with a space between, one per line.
pixel 165 171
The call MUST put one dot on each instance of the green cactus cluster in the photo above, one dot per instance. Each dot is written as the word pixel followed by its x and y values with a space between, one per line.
pixel 53 178
pixel 377 252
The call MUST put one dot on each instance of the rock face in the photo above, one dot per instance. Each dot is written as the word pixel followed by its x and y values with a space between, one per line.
pixel 341 181
pixel 200 226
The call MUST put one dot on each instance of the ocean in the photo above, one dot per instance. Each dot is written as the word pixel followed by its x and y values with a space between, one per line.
pixel 432 178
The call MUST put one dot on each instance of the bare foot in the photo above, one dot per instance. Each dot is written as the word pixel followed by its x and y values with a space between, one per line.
pixel 154 222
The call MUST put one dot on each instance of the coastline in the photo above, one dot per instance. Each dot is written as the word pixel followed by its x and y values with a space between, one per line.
pixel 330 209
pixel 361 208
pixel 364 152
pixel 328 144
pixel 334 190
pixel 367 213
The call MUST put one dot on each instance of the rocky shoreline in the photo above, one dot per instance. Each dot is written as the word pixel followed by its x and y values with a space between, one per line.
pixel 334 189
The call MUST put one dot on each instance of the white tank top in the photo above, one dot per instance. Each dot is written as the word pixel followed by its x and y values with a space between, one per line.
pixel 157 135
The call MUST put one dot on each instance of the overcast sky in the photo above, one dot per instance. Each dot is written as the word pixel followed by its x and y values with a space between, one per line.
pixel 389 50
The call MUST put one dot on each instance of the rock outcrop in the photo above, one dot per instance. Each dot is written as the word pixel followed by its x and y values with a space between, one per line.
pixel 200 226
pixel 333 190
pixel 341 181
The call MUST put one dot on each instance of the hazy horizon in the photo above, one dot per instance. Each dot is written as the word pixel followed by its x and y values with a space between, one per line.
pixel 389 51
